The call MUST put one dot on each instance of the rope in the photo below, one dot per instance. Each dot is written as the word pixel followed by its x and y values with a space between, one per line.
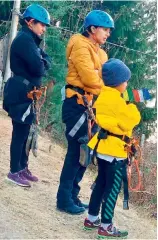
pixel 114 44
pixel 130 49
pixel 38 96
pixel 134 162
pixel 35 95
pixel 138 186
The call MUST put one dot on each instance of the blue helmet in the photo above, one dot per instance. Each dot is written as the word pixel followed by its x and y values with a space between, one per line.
pixel 37 12
pixel 98 18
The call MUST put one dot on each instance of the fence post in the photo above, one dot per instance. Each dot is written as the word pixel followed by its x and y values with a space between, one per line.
pixel 13 31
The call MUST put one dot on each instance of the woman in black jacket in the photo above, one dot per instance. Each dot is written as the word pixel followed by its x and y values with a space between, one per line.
pixel 29 64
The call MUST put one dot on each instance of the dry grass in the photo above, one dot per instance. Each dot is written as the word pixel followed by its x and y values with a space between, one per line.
pixel 31 213
pixel 148 197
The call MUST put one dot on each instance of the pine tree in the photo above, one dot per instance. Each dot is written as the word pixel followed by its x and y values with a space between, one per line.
pixel 135 28
pixel 5 17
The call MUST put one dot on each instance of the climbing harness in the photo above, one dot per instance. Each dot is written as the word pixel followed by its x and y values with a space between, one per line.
pixel 79 92
pixel 85 157
pixel 131 146
pixel 37 102
pixel 134 158
pixel 31 143
pixel 86 100
pixel 91 116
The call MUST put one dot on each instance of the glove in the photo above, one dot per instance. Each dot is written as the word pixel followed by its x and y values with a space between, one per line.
pixel 46 59
pixel 47 62
pixel 133 149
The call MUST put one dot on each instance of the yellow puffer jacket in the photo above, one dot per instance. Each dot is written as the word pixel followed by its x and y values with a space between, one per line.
pixel 114 115
pixel 85 61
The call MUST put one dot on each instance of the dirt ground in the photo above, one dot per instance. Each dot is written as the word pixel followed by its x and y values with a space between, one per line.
pixel 31 213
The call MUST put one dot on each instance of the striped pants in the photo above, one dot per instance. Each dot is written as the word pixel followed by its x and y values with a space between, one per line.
pixel 106 190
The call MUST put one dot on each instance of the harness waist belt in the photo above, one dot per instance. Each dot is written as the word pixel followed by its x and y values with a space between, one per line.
pixel 103 134
pixel 76 89
pixel 124 138
pixel 77 126
pixel 24 80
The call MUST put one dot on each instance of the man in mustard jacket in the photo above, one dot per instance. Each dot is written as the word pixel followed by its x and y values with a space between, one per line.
pixel 85 59
pixel 116 119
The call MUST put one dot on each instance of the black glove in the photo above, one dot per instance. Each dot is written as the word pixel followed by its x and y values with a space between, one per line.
pixel 47 62
pixel 46 59
pixel 133 149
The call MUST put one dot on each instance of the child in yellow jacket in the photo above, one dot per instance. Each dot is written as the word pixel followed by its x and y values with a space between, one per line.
pixel 118 119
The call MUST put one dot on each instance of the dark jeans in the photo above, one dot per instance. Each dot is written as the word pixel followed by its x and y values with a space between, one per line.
pixel 71 175
pixel 106 190
pixel 72 172
pixel 18 157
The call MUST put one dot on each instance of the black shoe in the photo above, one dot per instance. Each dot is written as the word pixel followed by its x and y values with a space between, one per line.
pixel 80 204
pixel 74 209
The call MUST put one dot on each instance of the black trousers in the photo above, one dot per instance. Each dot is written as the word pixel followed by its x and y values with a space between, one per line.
pixel 18 157
pixel 106 190
pixel 72 171
pixel 71 175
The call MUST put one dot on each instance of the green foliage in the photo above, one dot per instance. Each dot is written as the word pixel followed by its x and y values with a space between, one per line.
pixel 154 200
pixel 5 16
pixel 135 28
pixel 148 124
pixel 154 158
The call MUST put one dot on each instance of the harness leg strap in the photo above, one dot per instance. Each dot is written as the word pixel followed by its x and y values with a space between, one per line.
pixel 125 187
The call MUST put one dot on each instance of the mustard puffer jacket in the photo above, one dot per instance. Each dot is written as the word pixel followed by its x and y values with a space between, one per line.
pixel 114 115
pixel 85 61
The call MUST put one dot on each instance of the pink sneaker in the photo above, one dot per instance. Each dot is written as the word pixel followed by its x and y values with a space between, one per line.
pixel 18 179
pixel 28 175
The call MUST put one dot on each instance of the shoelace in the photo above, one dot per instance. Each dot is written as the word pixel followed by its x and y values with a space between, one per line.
pixel 113 229
pixel 21 175
pixel 97 222
pixel 28 172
